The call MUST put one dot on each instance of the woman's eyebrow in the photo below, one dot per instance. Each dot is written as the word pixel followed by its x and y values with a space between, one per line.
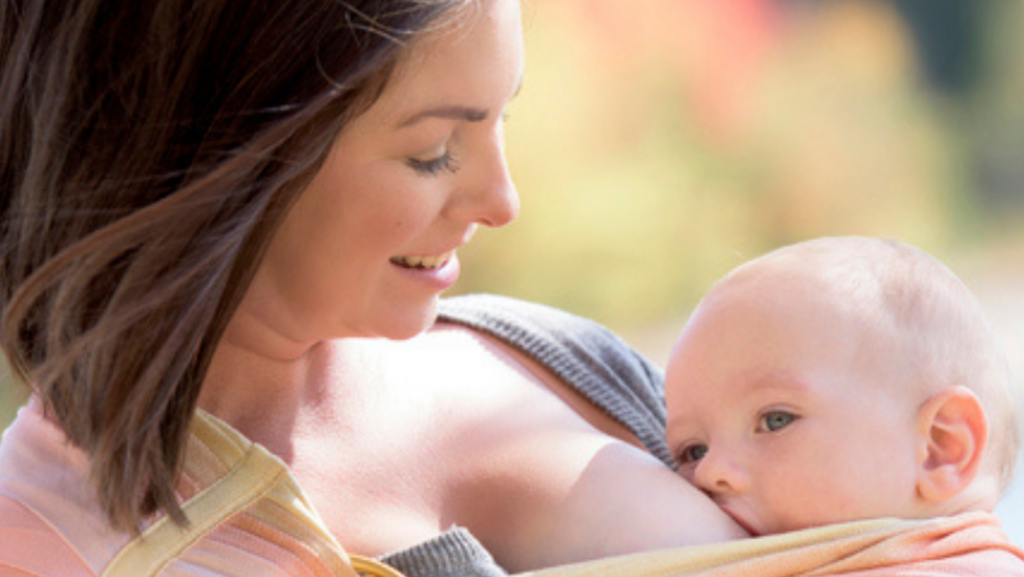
pixel 452 112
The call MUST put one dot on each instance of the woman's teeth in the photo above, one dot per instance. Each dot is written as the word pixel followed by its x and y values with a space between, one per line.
pixel 423 261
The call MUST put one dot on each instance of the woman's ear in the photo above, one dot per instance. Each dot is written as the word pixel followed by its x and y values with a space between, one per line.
pixel 954 433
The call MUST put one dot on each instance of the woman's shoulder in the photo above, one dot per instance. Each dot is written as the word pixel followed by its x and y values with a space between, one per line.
pixel 50 519
pixel 552 335
pixel 30 547
pixel 574 347
pixel 586 356
pixel 43 490
pixel 51 523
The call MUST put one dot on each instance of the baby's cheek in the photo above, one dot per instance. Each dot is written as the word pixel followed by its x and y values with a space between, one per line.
pixel 802 501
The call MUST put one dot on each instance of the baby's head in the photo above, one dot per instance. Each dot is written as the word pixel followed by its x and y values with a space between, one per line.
pixel 841 379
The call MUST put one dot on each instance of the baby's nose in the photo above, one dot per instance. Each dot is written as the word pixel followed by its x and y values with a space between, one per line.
pixel 719 473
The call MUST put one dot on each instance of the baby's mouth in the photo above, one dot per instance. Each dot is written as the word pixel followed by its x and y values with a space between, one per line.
pixel 423 262
pixel 740 520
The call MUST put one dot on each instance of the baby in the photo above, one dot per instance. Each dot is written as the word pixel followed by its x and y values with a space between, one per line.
pixel 841 379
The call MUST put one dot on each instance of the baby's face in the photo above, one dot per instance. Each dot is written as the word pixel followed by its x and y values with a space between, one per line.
pixel 782 407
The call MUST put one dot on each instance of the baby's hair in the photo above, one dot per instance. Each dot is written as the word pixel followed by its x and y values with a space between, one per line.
pixel 940 326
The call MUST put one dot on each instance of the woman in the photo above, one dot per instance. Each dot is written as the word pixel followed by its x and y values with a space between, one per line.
pixel 215 215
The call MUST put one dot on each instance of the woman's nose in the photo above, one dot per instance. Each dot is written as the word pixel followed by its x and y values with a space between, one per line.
pixel 487 196
pixel 500 203
pixel 719 473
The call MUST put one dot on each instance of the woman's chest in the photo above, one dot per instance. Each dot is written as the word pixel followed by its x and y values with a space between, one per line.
pixel 442 439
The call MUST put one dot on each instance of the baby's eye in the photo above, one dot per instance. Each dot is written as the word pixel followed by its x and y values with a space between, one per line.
pixel 772 421
pixel 693 453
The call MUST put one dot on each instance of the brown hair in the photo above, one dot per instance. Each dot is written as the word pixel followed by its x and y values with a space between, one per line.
pixel 148 151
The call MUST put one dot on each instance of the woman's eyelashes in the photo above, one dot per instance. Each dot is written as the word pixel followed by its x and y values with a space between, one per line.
pixel 434 166
pixel 443 161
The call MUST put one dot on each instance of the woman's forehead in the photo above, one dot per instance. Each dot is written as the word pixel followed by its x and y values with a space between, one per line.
pixel 476 62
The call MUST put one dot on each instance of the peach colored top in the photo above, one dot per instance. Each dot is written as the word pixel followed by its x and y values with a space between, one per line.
pixel 248 516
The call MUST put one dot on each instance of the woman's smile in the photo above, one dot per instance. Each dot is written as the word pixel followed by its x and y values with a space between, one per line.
pixel 438 271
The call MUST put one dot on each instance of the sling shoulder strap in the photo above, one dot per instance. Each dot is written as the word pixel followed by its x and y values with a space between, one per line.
pixel 253 474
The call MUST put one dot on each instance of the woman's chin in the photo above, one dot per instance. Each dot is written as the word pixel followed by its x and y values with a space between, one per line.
pixel 403 325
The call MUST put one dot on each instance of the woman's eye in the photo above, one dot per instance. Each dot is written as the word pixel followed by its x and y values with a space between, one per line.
pixel 444 163
pixel 693 453
pixel 775 420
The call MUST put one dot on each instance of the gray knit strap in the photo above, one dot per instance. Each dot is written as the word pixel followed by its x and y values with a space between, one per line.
pixel 455 553
pixel 585 355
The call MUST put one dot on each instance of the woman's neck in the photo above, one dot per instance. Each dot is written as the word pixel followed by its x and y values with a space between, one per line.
pixel 257 395
pixel 274 400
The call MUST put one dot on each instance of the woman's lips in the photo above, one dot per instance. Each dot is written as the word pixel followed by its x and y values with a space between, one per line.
pixel 438 272
pixel 423 261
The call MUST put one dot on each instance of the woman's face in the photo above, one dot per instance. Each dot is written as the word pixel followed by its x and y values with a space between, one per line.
pixel 371 243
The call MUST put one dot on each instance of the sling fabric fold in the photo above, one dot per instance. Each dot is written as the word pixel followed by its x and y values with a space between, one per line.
pixel 968 544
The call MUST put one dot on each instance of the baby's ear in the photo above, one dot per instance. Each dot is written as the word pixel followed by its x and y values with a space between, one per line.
pixel 954 432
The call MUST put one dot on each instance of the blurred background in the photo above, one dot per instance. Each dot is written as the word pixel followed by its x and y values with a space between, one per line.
pixel 657 144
